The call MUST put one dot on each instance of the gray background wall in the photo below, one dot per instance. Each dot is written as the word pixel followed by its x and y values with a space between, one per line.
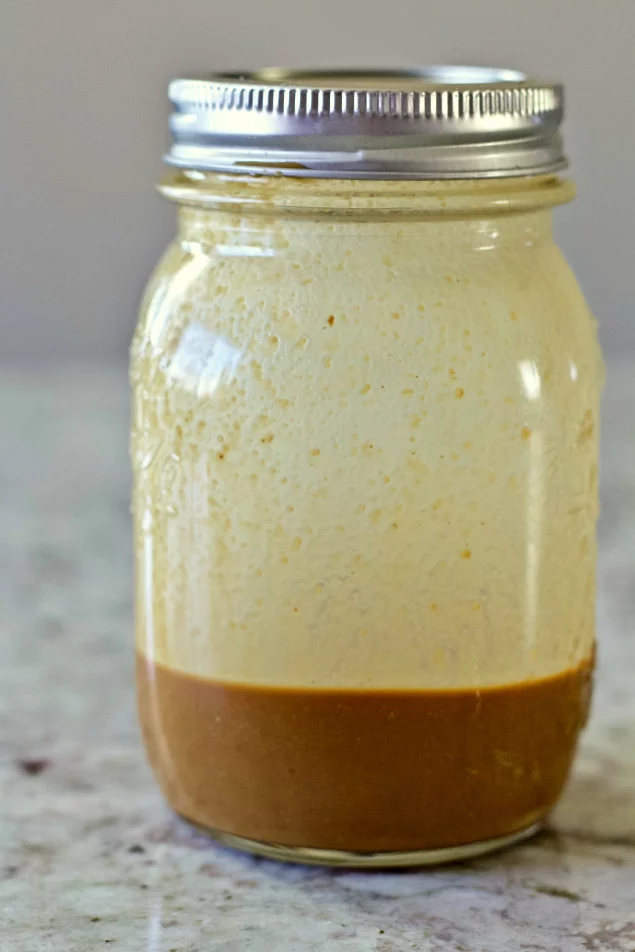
pixel 82 99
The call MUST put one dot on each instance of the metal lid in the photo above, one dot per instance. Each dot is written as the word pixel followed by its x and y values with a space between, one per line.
pixel 442 122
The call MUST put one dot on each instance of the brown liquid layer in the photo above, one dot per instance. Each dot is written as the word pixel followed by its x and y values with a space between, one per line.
pixel 363 771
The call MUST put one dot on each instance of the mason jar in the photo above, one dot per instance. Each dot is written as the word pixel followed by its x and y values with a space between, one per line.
pixel 365 467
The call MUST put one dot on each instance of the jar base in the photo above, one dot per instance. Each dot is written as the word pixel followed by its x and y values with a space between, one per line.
pixel 308 856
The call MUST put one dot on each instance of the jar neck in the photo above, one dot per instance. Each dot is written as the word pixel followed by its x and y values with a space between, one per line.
pixel 264 215
pixel 365 200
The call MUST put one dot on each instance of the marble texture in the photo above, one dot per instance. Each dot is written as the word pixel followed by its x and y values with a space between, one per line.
pixel 90 857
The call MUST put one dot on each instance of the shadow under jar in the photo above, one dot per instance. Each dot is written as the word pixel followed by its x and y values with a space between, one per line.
pixel 365 467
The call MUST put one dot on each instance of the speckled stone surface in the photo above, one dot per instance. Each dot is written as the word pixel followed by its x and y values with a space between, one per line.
pixel 90 858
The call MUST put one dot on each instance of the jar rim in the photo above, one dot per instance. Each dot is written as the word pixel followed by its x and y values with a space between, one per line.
pixel 362 200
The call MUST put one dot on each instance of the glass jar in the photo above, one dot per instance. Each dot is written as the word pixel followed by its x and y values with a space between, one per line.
pixel 365 462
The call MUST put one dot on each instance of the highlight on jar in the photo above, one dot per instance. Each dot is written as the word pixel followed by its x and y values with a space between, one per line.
pixel 365 403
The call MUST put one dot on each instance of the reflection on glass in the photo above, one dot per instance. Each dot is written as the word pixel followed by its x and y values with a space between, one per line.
pixel 530 377
pixel 202 360
pixel 535 521
pixel 168 296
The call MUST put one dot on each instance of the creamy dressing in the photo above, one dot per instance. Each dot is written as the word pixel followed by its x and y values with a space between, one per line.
pixel 365 446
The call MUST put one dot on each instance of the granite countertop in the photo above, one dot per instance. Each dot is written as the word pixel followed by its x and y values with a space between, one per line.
pixel 89 855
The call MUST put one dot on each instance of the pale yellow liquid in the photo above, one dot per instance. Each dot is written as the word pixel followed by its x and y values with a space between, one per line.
pixel 365 450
